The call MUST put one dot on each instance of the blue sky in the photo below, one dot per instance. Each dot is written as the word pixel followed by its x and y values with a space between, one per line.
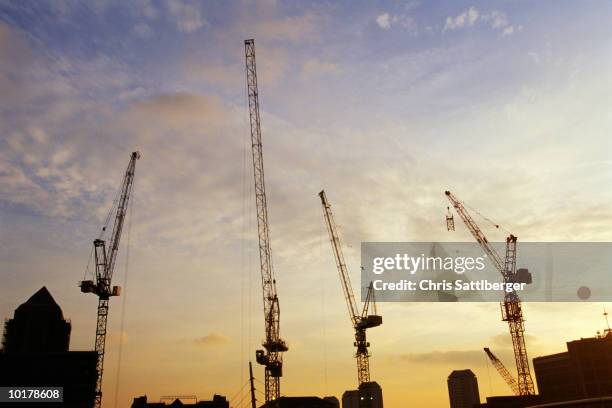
pixel 383 104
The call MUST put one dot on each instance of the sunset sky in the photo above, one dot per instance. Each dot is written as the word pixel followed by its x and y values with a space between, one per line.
pixel 383 104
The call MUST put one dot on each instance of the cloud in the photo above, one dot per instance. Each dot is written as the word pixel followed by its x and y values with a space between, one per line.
pixel 213 339
pixel 15 57
pixel 508 30
pixel 505 340
pixel 187 16
pixel 180 108
pixel 496 19
pixel 13 48
pixel 499 21
pixel 383 21
pixel 452 357
pixel 386 20
pixel 465 19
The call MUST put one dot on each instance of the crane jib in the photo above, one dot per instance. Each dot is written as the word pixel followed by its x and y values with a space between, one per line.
pixel 274 346
pixel 511 306
pixel 105 265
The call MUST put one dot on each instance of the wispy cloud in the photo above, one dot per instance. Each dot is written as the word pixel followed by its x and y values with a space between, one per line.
pixel 466 19
pixel 213 339
pixel 456 357
pixel 186 15
pixel 383 126
pixel 470 17
pixel 384 21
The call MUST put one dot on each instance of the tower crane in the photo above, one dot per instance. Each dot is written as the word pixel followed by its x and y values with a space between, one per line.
pixel 503 371
pixel 105 257
pixel 361 321
pixel 511 306
pixel 271 356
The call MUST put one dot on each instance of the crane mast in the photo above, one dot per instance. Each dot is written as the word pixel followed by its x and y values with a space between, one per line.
pixel 511 306
pixel 361 321
pixel 503 371
pixel 274 346
pixel 105 257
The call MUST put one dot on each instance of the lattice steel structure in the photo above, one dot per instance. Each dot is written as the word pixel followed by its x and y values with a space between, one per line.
pixel 105 257
pixel 511 306
pixel 503 371
pixel 271 357
pixel 361 321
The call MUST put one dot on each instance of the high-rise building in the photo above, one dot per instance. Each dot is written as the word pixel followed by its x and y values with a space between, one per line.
pixel 350 399
pixel 463 389
pixel 369 390
pixel 38 326
pixel 583 371
pixel 35 354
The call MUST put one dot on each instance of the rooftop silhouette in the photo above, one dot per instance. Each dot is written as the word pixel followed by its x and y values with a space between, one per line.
pixel 35 353
pixel 38 325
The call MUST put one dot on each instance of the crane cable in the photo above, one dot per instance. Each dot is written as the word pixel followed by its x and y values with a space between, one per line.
pixel 110 212
pixel 322 237
pixel 124 300
pixel 238 393
pixel 484 217
pixel 107 219
pixel 245 245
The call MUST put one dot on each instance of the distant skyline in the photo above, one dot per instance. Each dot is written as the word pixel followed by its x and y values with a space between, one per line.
pixel 383 104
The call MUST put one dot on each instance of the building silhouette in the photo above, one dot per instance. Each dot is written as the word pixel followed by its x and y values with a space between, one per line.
pixel 38 326
pixel 370 390
pixel 350 399
pixel 583 371
pixel 515 401
pixel 35 353
pixel 463 389
pixel 333 400
pixel 218 401
pixel 300 402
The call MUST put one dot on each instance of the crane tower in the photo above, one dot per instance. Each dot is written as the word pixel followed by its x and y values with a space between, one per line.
pixel 511 306
pixel 271 356
pixel 105 257
pixel 361 321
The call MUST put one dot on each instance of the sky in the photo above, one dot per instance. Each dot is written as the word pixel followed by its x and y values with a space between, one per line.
pixel 383 104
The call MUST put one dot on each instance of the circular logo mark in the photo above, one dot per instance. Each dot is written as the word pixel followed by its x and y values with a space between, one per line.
pixel 583 293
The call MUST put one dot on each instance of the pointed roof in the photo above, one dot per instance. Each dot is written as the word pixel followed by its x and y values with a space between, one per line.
pixel 41 298
pixel 41 301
